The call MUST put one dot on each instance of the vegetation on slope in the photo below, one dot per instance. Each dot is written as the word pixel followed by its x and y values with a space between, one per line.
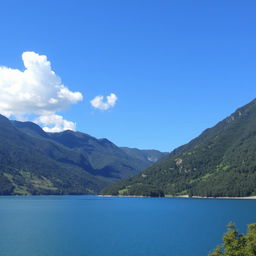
pixel 104 157
pixel 35 162
pixel 220 162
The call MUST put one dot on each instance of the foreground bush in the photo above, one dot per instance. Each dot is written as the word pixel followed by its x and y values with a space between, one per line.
pixel 235 244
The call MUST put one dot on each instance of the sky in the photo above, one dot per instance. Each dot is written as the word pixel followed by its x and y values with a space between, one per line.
pixel 141 73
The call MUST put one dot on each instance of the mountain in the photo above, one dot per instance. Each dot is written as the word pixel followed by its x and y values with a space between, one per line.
pixel 105 158
pixel 219 162
pixel 35 162
pixel 149 157
pixel 35 165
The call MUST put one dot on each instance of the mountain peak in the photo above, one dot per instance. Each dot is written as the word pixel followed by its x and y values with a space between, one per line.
pixel 30 128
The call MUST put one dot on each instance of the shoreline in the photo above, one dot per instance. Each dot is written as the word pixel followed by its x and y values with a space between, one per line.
pixel 226 197
pixel 121 196
pixel 140 196
pixel 187 196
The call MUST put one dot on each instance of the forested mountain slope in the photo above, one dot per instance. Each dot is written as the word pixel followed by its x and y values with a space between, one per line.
pixel 35 162
pixel 220 162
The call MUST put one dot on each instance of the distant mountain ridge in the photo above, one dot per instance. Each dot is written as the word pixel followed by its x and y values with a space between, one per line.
pixel 35 162
pixel 219 162
pixel 150 156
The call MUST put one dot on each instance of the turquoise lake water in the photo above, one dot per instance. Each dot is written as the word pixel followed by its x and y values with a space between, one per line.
pixel 97 226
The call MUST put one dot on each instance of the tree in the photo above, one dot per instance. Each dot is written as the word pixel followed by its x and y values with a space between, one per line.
pixel 235 244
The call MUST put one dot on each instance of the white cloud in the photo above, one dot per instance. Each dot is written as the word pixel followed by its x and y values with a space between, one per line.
pixel 36 90
pixel 98 102
pixel 55 123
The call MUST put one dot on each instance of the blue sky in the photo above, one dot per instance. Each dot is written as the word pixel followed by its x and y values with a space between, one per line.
pixel 177 67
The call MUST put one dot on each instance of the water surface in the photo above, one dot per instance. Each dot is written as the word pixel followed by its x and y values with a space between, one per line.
pixel 97 226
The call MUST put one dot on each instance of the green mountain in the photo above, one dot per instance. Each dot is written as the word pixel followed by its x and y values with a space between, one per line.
pixel 35 162
pixel 147 156
pixel 104 157
pixel 220 162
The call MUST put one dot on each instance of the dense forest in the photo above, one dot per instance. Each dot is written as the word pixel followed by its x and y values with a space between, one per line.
pixel 220 162
pixel 35 162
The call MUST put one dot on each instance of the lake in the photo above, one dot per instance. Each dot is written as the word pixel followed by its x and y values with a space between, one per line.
pixel 97 226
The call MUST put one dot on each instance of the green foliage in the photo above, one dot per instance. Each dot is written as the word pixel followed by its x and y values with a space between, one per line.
pixel 220 162
pixel 5 185
pixel 145 190
pixel 35 162
pixel 103 157
pixel 138 189
pixel 235 244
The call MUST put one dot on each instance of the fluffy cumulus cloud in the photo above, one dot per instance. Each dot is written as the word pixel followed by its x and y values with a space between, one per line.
pixel 56 122
pixel 38 91
pixel 98 102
